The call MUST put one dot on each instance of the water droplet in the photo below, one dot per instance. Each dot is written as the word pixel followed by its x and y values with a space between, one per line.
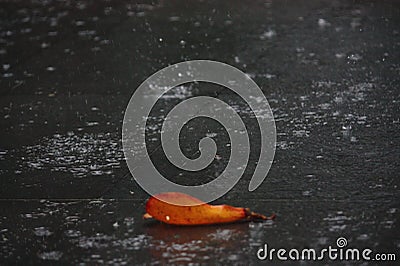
pixel 267 34
pixel 322 23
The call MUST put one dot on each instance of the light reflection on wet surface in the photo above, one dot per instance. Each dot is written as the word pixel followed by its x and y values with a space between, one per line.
pixel 330 75
pixel 117 234
pixel 96 154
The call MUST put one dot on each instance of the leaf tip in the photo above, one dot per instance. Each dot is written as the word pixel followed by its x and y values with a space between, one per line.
pixel 147 216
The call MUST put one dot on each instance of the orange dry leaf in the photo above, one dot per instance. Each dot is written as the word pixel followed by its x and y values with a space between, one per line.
pixel 167 207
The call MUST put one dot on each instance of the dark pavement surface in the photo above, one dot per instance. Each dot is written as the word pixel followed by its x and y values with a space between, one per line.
pixel 329 69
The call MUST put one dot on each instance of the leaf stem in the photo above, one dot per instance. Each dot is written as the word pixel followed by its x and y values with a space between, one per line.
pixel 253 216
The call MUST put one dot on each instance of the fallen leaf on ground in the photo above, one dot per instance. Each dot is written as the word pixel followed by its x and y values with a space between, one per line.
pixel 167 208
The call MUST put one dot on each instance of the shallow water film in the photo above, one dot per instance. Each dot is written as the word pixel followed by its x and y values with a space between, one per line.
pixel 329 69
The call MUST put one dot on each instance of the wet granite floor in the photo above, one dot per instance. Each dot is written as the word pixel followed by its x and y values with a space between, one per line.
pixel 329 69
